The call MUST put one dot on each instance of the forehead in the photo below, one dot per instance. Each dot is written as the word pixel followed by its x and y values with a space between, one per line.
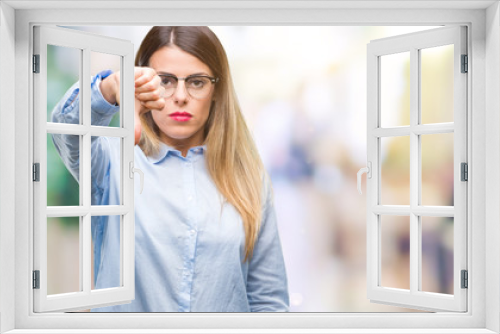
pixel 171 59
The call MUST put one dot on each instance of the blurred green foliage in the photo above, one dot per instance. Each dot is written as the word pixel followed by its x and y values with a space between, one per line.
pixel 62 73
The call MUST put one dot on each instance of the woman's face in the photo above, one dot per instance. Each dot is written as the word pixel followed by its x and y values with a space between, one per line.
pixel 181 121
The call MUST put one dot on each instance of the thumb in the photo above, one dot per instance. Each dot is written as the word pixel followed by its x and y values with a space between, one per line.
pixel 137 72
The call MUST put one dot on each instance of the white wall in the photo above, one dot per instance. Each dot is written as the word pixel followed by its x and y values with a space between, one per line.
pixel 492 161
pixel 7 160
pixel 22 116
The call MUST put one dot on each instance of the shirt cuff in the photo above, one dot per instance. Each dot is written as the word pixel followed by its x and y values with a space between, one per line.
pixel 98 102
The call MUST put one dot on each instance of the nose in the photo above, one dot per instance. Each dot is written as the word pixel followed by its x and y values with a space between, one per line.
pixel 180 93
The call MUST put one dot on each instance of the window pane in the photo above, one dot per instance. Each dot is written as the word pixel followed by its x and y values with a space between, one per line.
pixel 437 254
pixel 100 62
pixel 106 268
pixel 395 170
pixel 106 171
pixel 395 251
pixel 437 169
pixel 63 255
pixel 395 89
pixel 436 84
pixel 63 70
pixel 62 184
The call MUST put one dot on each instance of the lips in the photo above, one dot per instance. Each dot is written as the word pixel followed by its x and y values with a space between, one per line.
pixel 180 116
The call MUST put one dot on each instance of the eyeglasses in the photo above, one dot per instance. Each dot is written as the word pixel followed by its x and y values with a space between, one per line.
pixel 197 86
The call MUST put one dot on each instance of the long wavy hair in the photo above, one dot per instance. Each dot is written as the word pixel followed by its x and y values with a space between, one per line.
pixel 231 156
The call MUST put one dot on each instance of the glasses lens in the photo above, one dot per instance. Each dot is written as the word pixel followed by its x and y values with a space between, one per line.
pixel 198 87
pixel 169 83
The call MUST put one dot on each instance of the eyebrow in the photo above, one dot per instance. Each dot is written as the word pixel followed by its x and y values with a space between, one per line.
pixel 198 73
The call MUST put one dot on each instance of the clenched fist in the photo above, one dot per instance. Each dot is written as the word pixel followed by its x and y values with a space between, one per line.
pixel 148 93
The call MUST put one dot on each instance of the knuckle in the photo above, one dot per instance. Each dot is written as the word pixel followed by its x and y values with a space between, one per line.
pixel 150 73
pixel 146 86
pixel 155 95
pixel 142 97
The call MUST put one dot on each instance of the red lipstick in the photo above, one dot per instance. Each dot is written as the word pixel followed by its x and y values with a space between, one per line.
pixel 180 116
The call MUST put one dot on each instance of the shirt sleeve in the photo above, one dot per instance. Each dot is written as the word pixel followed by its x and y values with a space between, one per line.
pixel 267 284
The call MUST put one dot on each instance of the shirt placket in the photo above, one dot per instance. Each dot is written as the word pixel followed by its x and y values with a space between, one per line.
pixel 190 234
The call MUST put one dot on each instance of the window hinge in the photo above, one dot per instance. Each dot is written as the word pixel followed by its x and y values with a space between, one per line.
pixel 36 172
pixel 465 172
pixel 465 64
pixel 465 279
pixel 36 279
pixel 36 63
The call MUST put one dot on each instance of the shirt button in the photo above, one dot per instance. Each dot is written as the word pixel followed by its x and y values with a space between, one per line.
pixel 190 198
pixel 193 232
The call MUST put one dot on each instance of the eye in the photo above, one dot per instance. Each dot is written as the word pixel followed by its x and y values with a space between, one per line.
pixel 168 81
pixel 197 82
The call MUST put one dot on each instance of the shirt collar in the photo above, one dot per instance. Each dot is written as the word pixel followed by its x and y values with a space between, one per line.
pixel 166 149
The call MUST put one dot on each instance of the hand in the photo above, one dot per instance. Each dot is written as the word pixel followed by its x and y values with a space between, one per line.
pixel 148 94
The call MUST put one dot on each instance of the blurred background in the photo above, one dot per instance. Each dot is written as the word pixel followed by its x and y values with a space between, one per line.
pixel 303 92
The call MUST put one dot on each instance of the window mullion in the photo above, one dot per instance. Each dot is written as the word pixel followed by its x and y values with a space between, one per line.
pixel 430 129
pixel 434 211
pixel 85 180
pixel 414 170
pixel 399 210
pixel 81 225
pixel 76 129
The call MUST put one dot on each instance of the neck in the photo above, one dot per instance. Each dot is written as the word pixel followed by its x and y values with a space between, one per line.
pixel 182 145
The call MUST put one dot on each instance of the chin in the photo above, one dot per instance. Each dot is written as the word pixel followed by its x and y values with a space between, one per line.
pixel 179 135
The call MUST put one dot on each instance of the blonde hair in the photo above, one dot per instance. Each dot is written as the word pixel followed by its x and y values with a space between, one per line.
pixel 232 158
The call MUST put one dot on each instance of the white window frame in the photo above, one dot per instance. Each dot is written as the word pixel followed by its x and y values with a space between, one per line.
pixel 483 147
pixel 85 43
pixel 413 44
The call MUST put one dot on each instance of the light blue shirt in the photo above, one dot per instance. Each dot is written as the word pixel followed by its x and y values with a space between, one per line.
pixel 189 242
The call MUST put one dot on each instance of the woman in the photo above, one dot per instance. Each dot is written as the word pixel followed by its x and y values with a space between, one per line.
pixel 206 233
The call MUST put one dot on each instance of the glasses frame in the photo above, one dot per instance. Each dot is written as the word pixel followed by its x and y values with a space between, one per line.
pixel 213 80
